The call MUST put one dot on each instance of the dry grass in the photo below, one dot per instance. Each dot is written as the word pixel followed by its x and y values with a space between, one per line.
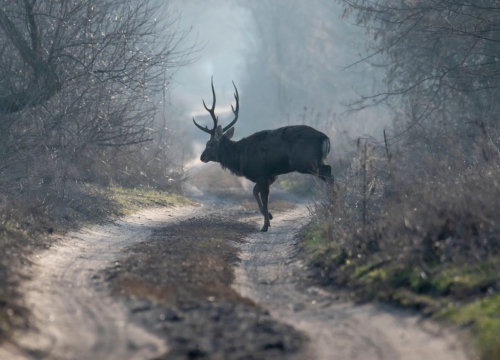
pixel 214 181
pixel 27 223
pixel 417 231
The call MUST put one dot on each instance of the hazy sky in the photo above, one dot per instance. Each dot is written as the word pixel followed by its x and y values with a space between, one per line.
pixel 226 35
pixel 223 33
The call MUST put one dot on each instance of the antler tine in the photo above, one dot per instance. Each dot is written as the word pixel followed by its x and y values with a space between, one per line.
pixel 235 111
pixel 205 129
pixel 211 112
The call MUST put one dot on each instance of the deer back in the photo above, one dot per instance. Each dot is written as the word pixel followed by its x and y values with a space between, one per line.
pixel 269 153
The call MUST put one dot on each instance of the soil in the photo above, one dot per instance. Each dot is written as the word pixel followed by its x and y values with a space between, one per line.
pixel 73 315
pixel 178 285
pixel 203 282
pixel 273 275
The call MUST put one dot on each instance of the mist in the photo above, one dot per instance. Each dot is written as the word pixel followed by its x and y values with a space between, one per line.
pixel 293 62
pixel 118 242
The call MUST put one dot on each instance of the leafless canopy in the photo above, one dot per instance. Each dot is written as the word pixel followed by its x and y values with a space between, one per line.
pixel 82 74
pixel 81 53
pixel 441 58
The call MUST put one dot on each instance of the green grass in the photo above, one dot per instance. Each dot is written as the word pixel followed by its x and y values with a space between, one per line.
pixel 457 293
pixel 484 317
pixel 314 242
pixel 320 251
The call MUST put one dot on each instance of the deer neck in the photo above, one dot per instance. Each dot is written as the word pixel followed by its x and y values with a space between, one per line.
pixel 228 156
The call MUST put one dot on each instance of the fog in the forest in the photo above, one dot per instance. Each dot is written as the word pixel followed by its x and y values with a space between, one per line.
pixel 291 62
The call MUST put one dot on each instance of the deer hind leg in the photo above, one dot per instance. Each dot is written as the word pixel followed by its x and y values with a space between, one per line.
pixel 256 192
pixel 264 195
pixel 321 171
pixel 325 174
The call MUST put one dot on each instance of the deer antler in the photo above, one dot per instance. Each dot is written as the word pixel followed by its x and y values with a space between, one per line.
pixel 235 112
pixel 211 112
pixel 215 118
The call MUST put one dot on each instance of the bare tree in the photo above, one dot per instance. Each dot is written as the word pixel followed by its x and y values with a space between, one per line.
pixel 441 59
pixel 296 58
pixel 76 74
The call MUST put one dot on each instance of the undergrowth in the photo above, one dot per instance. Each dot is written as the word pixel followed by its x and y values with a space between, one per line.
pixel 423 234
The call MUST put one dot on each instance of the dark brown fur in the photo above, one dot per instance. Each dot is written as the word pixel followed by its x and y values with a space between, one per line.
pixel 263 156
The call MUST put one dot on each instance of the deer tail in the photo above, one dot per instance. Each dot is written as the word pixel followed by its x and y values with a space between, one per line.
pixel 325 148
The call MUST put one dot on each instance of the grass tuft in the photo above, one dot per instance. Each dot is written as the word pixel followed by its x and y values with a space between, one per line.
pixel 26 226
pixel 423 234
pixel 483 315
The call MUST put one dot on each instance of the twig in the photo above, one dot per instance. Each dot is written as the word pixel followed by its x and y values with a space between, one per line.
pixel 364 190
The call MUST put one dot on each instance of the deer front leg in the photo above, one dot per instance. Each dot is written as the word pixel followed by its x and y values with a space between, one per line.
pixel 256 192
pixel 264 195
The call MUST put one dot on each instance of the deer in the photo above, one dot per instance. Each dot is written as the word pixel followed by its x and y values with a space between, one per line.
pixel 264 155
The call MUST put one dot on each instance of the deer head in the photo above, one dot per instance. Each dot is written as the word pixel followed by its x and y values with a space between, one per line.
pixel 217 132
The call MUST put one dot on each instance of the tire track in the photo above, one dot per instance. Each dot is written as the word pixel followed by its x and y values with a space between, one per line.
pixel 74 316
pixel 77 319
pixel 269 275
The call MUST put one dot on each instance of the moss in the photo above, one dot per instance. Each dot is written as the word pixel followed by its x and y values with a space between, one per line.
pixel 314 241
pixel 429 290
pixel 370 271
pixel 467 278
pixel 484 317
pixel 378 274
pixel 424 303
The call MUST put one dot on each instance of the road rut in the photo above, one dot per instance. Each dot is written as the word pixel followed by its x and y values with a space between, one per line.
pixel 338 330
pixel 71 306
pixel 79 319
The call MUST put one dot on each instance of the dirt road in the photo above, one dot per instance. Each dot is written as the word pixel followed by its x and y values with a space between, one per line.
pixel 271 275
pixel 73 313
pixel 77 316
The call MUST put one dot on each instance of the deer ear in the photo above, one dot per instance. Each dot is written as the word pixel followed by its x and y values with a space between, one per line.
pixel 229 133
pixel 218 132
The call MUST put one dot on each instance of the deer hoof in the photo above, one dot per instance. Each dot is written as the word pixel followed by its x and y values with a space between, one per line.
pixel 264 229
pixel 270 216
